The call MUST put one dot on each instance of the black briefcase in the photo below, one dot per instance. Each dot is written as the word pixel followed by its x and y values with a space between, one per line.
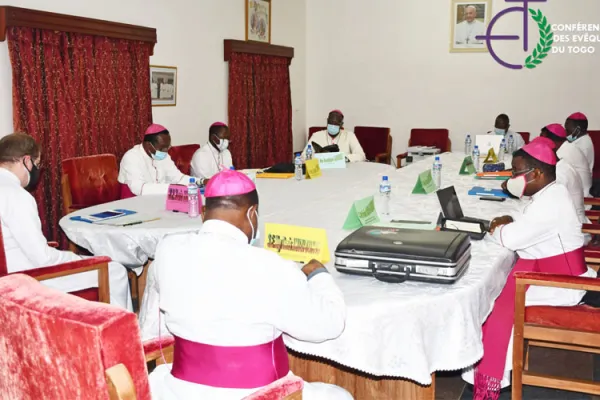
pixel 396 255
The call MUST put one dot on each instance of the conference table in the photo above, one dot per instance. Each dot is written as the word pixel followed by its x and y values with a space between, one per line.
pixel 397 335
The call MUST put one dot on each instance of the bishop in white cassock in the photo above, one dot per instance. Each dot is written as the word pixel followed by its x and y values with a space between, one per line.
pixel 577 126
pixel 147 168
pixel 214 156
pixel 228 303
pixel 25 246
pixel 502 128
pixel 547 237
pixel 336 134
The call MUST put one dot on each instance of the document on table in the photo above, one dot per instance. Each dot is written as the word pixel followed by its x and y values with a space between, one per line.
pixel 129 220
pixel 430 226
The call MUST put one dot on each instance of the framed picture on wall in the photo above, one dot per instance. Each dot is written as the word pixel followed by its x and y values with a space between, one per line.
pixel 258 20
pixel 469 20
pixel 163 85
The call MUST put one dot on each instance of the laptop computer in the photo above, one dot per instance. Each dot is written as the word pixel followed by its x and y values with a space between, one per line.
pixel 487 142
pixel 451 208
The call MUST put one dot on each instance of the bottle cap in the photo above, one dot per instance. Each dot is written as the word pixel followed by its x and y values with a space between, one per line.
pixel 385 178
pixel 192 180
pixel 232 168
pixel 309 146
pixel 297 154
pixel 437 158
pixel 477 147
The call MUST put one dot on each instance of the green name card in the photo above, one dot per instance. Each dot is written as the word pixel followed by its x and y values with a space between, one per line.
pixel 467 168
pixel 361 213
pixel 331 160
pixel 425 183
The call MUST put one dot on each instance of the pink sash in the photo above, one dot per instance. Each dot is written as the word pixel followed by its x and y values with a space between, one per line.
pixel 497 328
pixel 246 367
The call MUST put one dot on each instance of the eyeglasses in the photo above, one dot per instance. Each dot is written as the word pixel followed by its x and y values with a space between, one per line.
pixel 522 172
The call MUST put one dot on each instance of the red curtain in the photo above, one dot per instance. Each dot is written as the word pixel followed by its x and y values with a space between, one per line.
pixel 260 110
pixel 77 95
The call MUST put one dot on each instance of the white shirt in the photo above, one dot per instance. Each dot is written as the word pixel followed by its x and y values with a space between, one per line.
pixel 585 144
pixel 346 141
pixel 208 161
pixel 574 156
pixel 144 175
pixel 234 294
pixel 465 32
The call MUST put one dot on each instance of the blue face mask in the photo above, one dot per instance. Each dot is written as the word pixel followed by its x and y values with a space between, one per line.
pixel 255 232
pixel 158 155
pixel 499 131
pixel 333 130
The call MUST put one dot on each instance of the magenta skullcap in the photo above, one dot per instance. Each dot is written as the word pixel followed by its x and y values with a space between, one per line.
pixel 337 111
pixel 540 151
pixel 578 116
pixel 548 142
pixel 155 129
pixel 218 124
pixel 228 183
pixel 558 130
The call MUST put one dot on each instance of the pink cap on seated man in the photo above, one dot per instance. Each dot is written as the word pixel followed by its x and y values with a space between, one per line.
pixel 214 156
pixel 147 168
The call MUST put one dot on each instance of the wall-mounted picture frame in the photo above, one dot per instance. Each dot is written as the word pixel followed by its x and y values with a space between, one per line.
pixel 469 19
pixel 163 85
pixel 258 20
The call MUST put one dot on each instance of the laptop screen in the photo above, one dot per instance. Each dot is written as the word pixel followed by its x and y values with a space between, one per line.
pixel 449 203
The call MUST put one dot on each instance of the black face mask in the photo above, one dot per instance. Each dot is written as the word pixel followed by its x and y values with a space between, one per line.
pixel 34 176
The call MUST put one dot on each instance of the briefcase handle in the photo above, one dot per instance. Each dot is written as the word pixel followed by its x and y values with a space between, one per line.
pixel 389 278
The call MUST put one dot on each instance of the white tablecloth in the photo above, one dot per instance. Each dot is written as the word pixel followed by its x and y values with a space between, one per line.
pixel 403 330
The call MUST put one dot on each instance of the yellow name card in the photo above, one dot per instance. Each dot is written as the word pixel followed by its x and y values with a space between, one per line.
pixel 313 169
pixel 297 243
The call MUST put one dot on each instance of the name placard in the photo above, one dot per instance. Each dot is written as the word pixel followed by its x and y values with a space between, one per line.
pixel 331 160
pixel 313 170
pixel 297 243
pixel 425 183
pixel 177 199
pixel 361 213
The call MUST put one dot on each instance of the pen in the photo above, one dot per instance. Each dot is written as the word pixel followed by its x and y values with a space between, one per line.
pixel 140 222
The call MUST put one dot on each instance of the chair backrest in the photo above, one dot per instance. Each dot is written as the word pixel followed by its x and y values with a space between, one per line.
pixel 595 136
pixel 288 388
pixel 374 140
pixel 3 262
pixel 182 156
pixel 91 180
pixel 314 129
pixel 526 136
pixel 58 346
pixel 439 138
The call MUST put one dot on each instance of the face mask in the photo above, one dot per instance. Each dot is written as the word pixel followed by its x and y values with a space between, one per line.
pixel 517 185
pixel 34 175
pixel 255 232
pixel 573 136
pixel 158 155
pixel 333 130
pixel 499 131
pixel 223 145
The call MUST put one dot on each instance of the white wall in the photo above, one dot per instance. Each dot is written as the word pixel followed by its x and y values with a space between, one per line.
pixel 190 36
pixel 387 63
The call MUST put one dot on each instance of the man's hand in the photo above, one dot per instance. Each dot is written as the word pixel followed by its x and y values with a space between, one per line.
pixel 503 186
pixel 311 266
pixel 499 221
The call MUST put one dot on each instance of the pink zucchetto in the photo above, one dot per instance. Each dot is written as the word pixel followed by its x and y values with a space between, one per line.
pixel 337 111
pixel 578 116
pixel 155 129
pixel 548 142
pixel 540 151
pixel 228 183
pixel 218 124
pixel 558 130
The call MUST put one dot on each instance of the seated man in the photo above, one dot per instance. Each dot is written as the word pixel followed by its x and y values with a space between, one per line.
pixel 147 168
pixel 577 126
pixel 547 238
pixel 214 156
pixel 236 301
pixel 501 127
pixel 25 246
pixel 336 134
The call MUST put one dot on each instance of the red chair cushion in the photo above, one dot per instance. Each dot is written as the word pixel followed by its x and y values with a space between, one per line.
pixel 57 346
pixel 582 318
pixel 182 156
pixel 92 179
pixel 525 136
pixel 430 137
pixel 313 129
pixel 374 140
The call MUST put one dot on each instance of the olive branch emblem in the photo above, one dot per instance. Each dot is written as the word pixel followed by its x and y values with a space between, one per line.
pixel 546 40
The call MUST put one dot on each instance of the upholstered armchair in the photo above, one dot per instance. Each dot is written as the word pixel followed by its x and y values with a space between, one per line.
pixel 376 142
pixel 439 138
pixel 182 156
pixel 288 388
pixel 58 346
pixel 526 136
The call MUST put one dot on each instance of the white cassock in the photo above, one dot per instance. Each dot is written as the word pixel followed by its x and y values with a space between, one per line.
pixel 585 144
pixel 217 290
pixel 145 175
pixel 208 161
pixel 574 156
pixel 549 226
pixel 465 32
pixel 568 177
pixel 26 247
pixel 346 141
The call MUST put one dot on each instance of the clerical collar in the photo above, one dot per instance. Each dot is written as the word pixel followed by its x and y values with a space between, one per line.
pixel 224 228
pixel 542 190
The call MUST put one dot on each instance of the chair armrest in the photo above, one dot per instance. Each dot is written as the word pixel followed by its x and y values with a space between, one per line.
pixel 558 281
pixel 382 158
pixel 53 244
pixel 399 159
pixel 593 229
pixel 591 201
pixel 153 352
pixel 592 214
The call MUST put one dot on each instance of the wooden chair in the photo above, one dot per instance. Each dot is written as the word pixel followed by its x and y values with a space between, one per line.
pixel 376 143
pixel 439 138
pixel 182 156
pixel 526 136
pixel 313 129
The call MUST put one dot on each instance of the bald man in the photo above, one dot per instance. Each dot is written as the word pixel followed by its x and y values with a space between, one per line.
pixel 466 31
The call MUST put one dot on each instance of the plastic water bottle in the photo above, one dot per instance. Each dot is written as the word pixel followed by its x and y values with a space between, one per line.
pixel 193 211
pixel 298 168
pixel 385 192
pixel 502 151
pixel 511 144
pixel 476 158
pixel 436 172
pixel 309 152
pixel 468 145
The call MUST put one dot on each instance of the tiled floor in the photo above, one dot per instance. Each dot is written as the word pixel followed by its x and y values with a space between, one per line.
pixel 449 386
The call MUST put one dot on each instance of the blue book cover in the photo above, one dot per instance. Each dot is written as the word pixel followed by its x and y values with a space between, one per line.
pixel 479 191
